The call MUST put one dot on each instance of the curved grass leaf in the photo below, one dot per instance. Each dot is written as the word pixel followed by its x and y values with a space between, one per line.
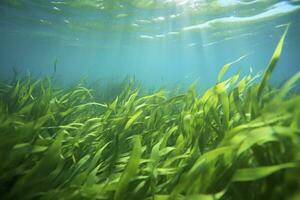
pixel 130 170
pixel 252 174
pixel 272 64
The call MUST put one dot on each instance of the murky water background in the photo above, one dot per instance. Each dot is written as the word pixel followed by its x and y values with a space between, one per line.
pixel 159 42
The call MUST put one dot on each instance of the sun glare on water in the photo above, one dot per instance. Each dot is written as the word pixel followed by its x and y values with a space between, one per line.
pixel 180 2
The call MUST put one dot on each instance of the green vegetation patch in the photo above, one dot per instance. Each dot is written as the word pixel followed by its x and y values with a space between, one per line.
pixel 239 140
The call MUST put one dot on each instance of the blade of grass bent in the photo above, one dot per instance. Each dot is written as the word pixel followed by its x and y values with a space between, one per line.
pixel 272 64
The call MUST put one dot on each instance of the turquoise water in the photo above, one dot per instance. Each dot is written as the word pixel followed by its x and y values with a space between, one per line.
pixel 158 42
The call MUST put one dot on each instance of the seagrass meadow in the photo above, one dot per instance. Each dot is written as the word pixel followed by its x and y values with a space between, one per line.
pixel 240 139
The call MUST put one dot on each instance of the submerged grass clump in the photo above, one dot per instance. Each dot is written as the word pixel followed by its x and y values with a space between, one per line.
pixel 239 140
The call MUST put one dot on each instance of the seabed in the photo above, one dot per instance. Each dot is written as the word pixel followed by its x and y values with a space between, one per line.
pixel 238 140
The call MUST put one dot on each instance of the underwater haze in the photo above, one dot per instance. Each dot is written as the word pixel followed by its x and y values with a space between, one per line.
pixel 159 43
pixel 149 100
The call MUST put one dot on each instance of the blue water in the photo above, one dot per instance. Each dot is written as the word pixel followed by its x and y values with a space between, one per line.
pixel 159 43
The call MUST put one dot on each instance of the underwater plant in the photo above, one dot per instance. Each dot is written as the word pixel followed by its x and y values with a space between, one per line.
pixel 239 140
